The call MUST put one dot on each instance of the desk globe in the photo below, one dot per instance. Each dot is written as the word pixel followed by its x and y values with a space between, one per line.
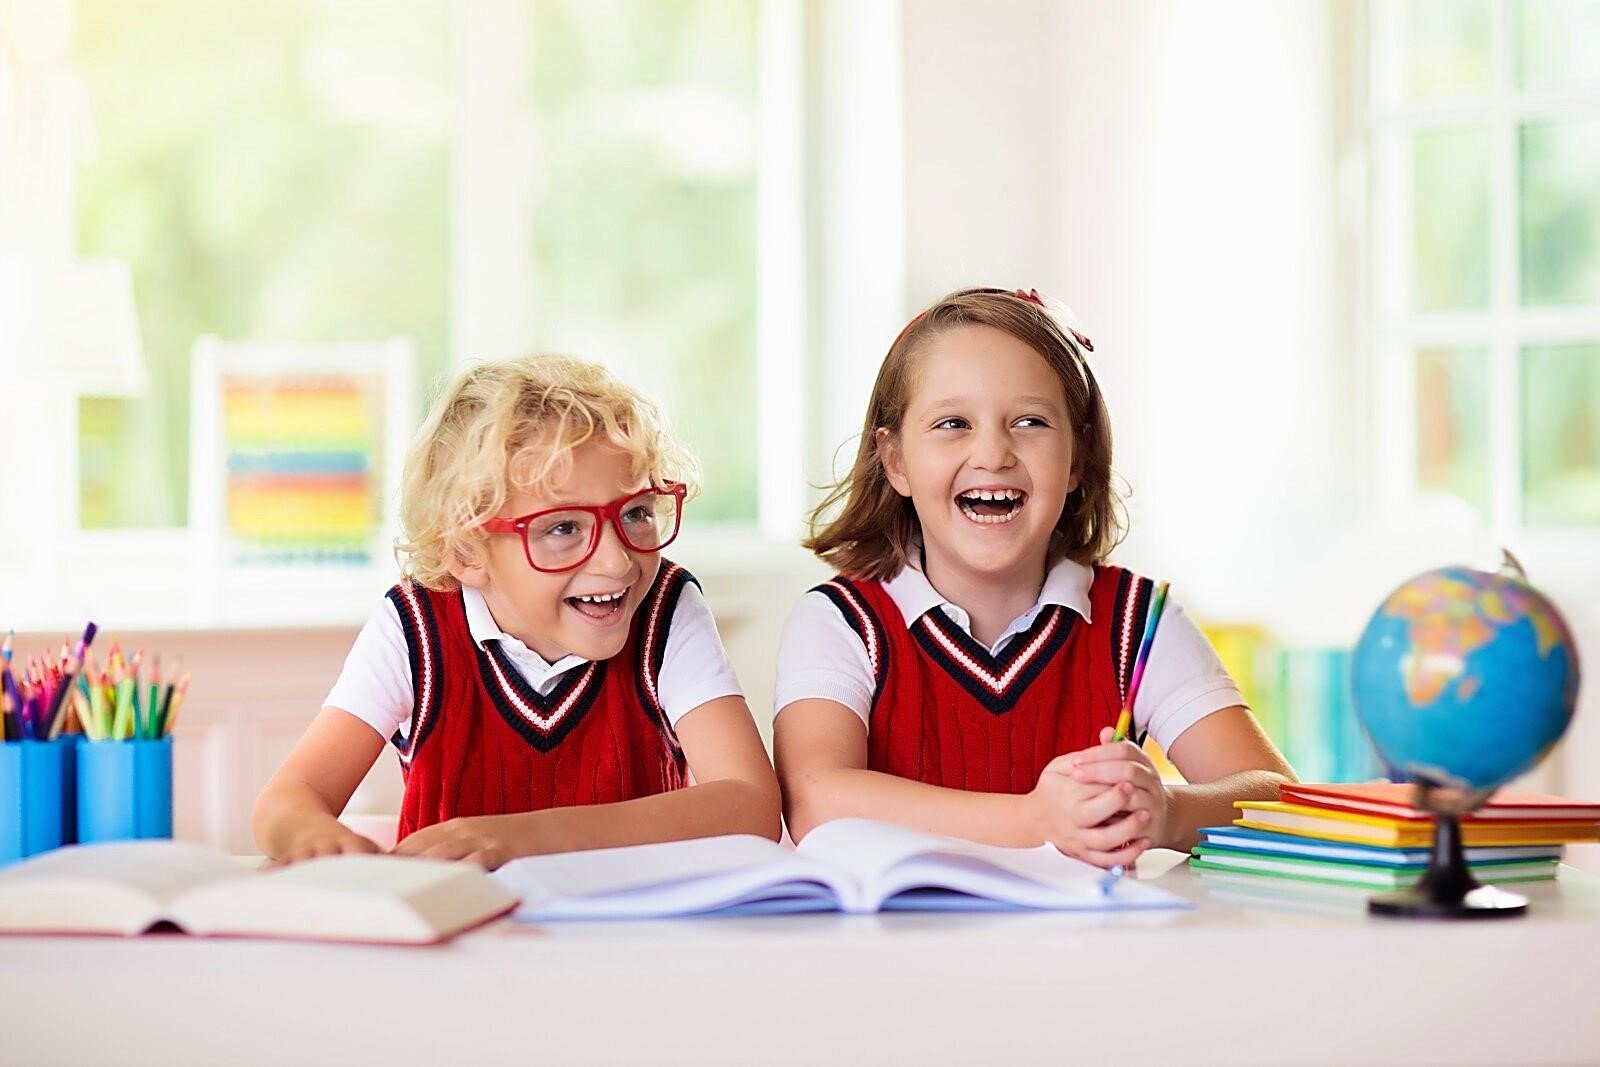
pixel 1463 679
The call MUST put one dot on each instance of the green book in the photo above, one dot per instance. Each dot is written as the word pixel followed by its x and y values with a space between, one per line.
pixel 1362 875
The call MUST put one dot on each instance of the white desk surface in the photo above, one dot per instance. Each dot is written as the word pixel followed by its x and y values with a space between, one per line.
pixel 1219 984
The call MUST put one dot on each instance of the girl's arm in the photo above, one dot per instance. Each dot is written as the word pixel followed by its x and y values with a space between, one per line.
pixel 1224 757
pixel 735 792
pixel 297 814
pixel 821 749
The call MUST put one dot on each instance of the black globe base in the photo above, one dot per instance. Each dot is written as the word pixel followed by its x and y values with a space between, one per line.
pixel 1448 890
pixel 1484 902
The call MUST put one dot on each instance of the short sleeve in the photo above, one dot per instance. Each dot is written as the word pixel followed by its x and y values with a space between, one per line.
pixel 821 658
pixel 1183 682
pixel 694 666
pixel 375 684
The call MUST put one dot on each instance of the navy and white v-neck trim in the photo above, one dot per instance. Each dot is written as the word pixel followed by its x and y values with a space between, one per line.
pixel 542 719
pixel 996 681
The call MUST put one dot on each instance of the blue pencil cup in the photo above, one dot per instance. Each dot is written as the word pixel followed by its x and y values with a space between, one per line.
pixel 35 802
pixel 124 790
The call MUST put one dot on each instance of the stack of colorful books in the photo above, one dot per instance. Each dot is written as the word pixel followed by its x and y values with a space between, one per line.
pixel 1370 837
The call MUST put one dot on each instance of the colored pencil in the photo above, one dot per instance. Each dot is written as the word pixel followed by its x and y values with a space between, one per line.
pixel 1158 603
pixel 177 702
pixel 58 705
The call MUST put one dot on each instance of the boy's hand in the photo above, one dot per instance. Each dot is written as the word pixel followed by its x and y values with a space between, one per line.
pixel 1124 764
pixel 477 839
pixel 1097 823
pixel 325 837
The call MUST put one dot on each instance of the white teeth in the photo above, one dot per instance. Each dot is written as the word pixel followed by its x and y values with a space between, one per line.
pixel 993 494
pixel 990 520
pixel 604 598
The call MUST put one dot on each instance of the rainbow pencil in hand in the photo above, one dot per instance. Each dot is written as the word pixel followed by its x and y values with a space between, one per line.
pixel 1158 601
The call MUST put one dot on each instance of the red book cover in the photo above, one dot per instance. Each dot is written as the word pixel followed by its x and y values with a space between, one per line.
pixel 1393 799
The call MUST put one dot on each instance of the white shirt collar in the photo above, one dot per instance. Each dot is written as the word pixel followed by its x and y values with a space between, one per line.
pixel 483 628
pixel 1067 584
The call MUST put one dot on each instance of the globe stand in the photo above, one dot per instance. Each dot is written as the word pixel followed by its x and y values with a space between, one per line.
pixel 1448 890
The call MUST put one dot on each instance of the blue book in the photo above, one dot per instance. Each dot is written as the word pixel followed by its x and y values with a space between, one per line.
pixel 1243 839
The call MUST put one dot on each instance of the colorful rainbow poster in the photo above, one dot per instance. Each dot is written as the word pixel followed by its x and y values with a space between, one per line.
pixel 301 454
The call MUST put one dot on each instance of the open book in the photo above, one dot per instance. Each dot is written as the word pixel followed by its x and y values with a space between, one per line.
pixel 853 865
pixel 128 887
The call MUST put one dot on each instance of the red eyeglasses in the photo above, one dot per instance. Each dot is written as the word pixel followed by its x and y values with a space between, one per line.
pixel 561 539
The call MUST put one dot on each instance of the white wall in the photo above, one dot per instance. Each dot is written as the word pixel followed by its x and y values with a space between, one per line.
pixel 1167 170
pixel 980 144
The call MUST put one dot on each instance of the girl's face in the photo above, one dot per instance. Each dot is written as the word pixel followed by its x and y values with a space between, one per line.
pixel 985 452
pixel 585 611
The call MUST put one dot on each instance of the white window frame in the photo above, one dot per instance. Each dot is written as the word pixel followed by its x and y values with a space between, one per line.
pixel 1505 326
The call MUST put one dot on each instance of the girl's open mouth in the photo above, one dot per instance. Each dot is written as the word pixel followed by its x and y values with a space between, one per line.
pixel 599 607
pixel 991 506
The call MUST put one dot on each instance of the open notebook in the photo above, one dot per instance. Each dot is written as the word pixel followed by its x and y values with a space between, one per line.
pixel 128 887
pixel 853 865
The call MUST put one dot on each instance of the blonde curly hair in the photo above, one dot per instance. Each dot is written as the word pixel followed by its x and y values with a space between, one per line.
pixel 512 425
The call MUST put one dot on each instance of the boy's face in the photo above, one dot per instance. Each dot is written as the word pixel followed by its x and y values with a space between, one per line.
pixel 543 610
pixel 985 452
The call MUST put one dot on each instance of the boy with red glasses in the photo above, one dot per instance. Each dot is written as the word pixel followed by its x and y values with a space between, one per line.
pixel 549 681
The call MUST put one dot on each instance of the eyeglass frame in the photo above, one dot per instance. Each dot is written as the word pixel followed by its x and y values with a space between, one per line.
pixel 603 513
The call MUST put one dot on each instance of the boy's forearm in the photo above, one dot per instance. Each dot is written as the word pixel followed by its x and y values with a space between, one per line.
pixel 729 806
pixel 1211 804
pixel 282 811
pixel 993 818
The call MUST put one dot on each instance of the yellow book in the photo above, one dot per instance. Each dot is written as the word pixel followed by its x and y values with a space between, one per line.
pixel 1353 828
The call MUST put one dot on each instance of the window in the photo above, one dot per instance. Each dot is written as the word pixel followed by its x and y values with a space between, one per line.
pixel 272 172
pixel 643 209
pixel 313 172
pixel 1485 126
pixel 473 180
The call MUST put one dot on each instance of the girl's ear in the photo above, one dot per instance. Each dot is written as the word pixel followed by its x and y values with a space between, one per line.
pixel 1077 459
pixel 894 467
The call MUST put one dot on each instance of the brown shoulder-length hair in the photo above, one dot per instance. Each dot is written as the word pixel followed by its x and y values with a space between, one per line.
pixel 874 530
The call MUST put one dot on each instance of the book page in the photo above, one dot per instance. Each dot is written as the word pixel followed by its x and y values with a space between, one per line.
pixel 869 849
pixel 391 899
pixel 116 887
pixel 733 872
pixel 891 860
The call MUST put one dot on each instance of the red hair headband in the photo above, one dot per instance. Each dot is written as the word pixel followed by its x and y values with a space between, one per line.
pixel 1067 321
pixel 1062 314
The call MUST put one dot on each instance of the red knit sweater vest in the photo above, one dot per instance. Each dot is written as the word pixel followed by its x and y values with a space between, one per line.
pixel 482 741
pixel 946 712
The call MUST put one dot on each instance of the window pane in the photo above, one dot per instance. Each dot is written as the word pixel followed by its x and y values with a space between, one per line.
pixel 645 213
pixel 271 171
pixel 1447 49
pixel 1557 41
pixel 1453 423
pixel 1450 218
pixel 1561 212
pixel 1561 435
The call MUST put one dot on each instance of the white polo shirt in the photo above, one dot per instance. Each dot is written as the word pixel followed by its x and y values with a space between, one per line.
pixel 375 685
pixel 820 656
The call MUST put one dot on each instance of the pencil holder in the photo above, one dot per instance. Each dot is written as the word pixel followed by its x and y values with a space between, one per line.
pixel 124 789
pixel 34 804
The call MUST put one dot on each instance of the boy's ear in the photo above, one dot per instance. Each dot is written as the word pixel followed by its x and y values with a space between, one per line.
pixel 888 446
pixel 475 575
